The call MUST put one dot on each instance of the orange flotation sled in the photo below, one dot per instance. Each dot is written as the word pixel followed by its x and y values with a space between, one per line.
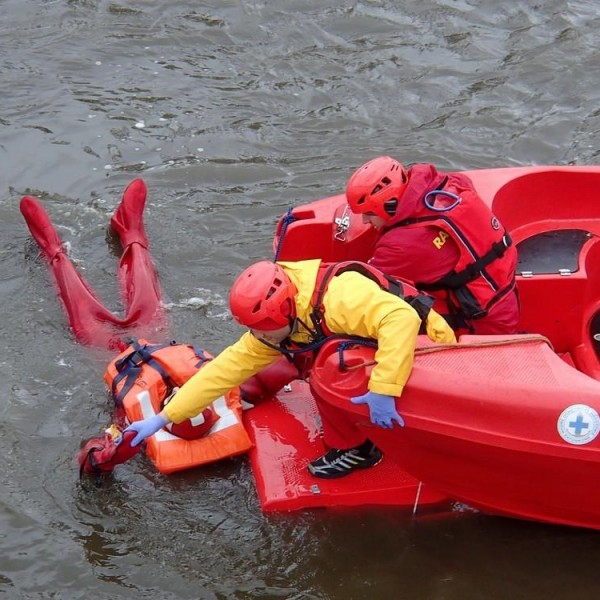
pixel 142 378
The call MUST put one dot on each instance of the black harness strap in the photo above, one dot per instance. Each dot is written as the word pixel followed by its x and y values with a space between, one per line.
pixel 458 279
pixel 455 280
pixel 316 316
pixel 422 303
pixel 129 367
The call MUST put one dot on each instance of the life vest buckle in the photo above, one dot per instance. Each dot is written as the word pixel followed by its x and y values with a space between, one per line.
pixel 137 358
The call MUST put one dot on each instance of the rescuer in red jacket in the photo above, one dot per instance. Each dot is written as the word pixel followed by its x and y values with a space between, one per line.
pixel 436 231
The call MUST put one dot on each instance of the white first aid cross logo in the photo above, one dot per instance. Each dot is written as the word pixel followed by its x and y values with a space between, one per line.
pixel 578 424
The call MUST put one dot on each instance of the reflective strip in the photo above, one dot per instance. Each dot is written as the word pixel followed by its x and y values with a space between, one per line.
pixel 227 417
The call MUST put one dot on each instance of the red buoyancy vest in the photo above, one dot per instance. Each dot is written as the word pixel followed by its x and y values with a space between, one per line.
pixel 485 271
pixel 421 302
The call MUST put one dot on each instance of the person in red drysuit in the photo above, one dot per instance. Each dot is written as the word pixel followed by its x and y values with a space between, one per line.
pixel 92 323
pixel 435 231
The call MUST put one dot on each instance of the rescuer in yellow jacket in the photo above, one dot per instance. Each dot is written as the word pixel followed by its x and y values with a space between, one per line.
pixel 275 301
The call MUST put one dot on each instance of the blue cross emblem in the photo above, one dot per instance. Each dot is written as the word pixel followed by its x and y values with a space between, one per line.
pixel 579 425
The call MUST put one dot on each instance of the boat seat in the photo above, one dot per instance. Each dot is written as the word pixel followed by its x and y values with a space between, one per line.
pixel 551 252
pixel 564 305
pixel 481 339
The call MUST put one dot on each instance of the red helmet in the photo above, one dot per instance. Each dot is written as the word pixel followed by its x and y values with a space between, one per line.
pixel 262 297
pixel 376 187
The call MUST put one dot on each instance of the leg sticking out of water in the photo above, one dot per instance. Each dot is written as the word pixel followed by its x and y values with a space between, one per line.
pixel 92 323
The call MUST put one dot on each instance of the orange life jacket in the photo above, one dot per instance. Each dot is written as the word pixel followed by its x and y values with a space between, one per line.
pixel 143 376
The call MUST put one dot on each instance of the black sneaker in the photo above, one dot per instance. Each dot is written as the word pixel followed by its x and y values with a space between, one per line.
pixel 339 463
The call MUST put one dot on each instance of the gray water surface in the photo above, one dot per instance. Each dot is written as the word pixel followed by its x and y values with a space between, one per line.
pixel 232 111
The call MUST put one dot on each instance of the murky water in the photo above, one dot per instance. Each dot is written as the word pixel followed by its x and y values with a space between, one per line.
pixel 231 111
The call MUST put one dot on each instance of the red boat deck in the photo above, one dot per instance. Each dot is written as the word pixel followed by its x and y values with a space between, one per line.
pixel 286 435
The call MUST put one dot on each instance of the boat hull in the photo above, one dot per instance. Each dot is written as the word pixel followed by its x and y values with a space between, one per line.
pixel 483 425
pixel 509 426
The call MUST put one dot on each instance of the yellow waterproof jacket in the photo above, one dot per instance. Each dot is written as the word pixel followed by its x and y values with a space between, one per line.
pixel 354 305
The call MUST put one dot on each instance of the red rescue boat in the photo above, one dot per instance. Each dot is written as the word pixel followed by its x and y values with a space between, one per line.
pixel 506 424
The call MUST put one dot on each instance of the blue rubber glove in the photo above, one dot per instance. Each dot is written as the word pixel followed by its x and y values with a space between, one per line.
pixel 382 409
pixel 146 428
